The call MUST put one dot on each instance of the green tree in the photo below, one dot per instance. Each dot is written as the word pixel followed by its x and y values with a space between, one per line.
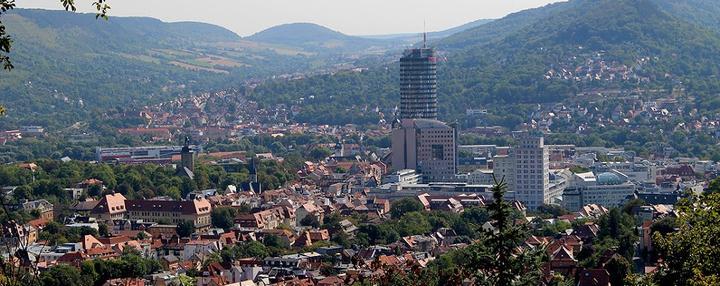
pixel 185 228
pixel 320 153
pixel 406 205
pixel 713 187
pixel 552 210
pixel 690 254
pixel 619 226
pixel 495 259
pixel 62 275
pixel 252 249
pixel 223 217
pixel 103 230
pixel 413 223
pixel 332 223
pixel 619 268
pixel 475 215
pixel 129 265
pixel 311 221
pixel 87 270
pixel 188 186
pixel 380 234
pixel 664 225
pixel 629 206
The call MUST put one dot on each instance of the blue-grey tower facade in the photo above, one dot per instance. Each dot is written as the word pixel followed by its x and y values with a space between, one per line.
pixel 418 84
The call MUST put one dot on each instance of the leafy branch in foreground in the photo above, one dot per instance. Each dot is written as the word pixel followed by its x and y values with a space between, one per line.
pixel 5 40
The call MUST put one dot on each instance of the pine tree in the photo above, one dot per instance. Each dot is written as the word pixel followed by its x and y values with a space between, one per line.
pixel 501 257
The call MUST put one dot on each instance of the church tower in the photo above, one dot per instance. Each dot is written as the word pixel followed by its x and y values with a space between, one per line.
pixel 187 158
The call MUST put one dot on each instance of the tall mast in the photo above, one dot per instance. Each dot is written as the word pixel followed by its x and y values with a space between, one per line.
pixel 424 35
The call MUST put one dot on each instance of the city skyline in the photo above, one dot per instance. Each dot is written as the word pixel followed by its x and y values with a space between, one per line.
pixel 253 16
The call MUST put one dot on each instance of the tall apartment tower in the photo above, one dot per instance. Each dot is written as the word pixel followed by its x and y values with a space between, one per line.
pixel 418 84
pixel 427 146
pixel 531 181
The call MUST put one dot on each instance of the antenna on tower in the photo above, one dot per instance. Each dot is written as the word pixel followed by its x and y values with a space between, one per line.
pixel 424 34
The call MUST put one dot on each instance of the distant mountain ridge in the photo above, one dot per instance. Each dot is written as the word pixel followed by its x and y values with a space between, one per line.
pixel 499 28
pixel 317 38
pixel 133 28
pixel 313 37
pixel 297 32
pixel 416 37
pixel 543 55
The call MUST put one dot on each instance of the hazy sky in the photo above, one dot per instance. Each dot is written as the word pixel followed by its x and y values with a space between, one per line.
pixel 355 17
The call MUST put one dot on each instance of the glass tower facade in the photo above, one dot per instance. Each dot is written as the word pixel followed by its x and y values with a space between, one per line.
pixel 418 84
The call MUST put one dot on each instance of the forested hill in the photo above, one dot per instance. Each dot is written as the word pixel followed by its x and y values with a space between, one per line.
pixel 69 65
pixel 538 55
pixel 500 28
pixel 315 38
pixel 705 13
pixel 142 31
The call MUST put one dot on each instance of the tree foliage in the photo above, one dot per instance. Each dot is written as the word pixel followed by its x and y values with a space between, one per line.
pixel 311 221
pixel 689 254
pixel 62 275
pixel 185 228
pixel 496 259
pixel 223 217
pixel 406 205
pixel 251 249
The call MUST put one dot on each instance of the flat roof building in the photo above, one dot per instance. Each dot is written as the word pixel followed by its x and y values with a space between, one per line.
pixel 427 146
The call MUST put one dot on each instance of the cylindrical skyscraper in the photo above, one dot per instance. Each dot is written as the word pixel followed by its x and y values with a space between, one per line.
pixel 418 84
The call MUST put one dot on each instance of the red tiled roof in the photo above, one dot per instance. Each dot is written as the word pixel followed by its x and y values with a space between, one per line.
pixel 72 258
pixel 114 240
pixel 38 223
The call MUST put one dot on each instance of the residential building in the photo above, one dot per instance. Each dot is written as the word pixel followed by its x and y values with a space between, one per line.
pixel 32 131
pixel 201 247
pixel 526 170
pixel 307 210
pixel 109 208
pixel 267 219
pixel 43 207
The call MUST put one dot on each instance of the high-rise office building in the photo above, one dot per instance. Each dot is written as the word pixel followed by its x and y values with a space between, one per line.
pixel 418 84
pixel 526 171
pixel 427 146
pixel 532 171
